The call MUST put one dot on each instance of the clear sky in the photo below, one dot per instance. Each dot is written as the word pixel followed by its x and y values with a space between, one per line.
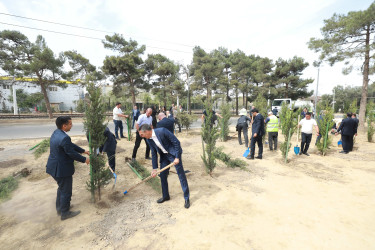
pixel 270 28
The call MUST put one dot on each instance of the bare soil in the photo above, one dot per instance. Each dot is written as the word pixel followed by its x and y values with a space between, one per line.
pixel 312 202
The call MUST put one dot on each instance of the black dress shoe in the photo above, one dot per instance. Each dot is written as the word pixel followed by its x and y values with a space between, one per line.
pixel 148 158
pixel 250 158
pixel 300 153
pixel 70 214
pixel 118 138
pixel 59 212
pixel 123 137
pixel 161 200
pixel 187 203
pixel 306 154
pixel 259 157
pixel 343 152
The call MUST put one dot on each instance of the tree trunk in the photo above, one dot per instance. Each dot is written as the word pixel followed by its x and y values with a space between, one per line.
pixel 44 91
pixel 236 101
pixel 208 94
pixel 189 103
pixel 132 92
pixel 286 91
pixel 246 99
pixel 363 104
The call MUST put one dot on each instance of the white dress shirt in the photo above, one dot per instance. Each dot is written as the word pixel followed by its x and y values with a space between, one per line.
pixel 116 112
pixel 157 142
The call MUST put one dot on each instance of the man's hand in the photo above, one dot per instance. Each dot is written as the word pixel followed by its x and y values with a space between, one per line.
pixel 154 172
pixel 87 160
pixel 255 135
pixel 336 133
pixel 87 152
pixel 355 134
pixel 176 161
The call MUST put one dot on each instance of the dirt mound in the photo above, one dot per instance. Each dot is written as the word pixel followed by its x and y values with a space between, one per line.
pixel 11 163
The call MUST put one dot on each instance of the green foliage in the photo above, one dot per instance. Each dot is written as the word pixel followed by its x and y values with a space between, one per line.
pixel 287 76
pixel 26 100
pixel 186 119
pixel 348 37
pixel 224 122
pixel 220 155
pixel 126 68
pixel 7 185
pixel 353 106
pixel 209 135
pixel 325 123
pixel 20 57
pixel 42 148
pixel 288 123
pixel 261 104
pixel 370 121
pixel 153 182
pixel 81 106
pixel 94 126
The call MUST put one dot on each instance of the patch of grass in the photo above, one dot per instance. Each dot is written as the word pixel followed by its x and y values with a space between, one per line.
pixel 154 182
pixel 42 148
pixel 7 185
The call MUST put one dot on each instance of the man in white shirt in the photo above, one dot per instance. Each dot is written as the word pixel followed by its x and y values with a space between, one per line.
pixel 117 114
pixel 306 132
pixel 143 119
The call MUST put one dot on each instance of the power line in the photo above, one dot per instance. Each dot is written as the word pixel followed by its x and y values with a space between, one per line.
pixel 88 37
pixel 97 30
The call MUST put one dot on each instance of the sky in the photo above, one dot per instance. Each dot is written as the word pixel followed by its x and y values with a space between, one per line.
pixel 270 28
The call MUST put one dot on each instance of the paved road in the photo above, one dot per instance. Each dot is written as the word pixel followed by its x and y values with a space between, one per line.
pixel 25 129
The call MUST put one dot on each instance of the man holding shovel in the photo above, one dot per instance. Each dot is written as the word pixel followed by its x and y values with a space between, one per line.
pixel 169 148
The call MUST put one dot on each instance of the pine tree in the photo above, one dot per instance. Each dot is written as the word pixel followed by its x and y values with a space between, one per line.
pixel 288 121
pixel 94 127
pixel 209 136
pixel 224 122
pixel 325 123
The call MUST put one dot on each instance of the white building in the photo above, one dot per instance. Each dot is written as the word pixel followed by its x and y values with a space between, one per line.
pixel 62 99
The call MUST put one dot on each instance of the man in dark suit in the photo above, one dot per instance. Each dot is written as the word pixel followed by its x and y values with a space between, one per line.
pixel 60 165
pixel 257 134
pixel 169 148
pixel 109 147
pixel 165 122
pixel 135 114
pixel 348 129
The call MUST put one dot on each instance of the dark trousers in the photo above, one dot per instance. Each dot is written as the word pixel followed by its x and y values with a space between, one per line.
pixel 138 140
pixel 112 160
pixel 259 141
pixel 243 127
pixel 118 125
pixel 64 193
pixel 165 160
pixel 134 120
pixel 176 121
pixel 347 143
pixel 305 143
pixel 272 140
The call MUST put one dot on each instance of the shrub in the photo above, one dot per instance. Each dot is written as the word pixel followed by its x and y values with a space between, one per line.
pixel 7 185
pixel 224 122
pixel 325 123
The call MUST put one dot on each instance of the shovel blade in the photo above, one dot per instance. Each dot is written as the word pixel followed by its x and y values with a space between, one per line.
pixel 115 175
pixel 339 143
pixel 247 152
pixel 296 150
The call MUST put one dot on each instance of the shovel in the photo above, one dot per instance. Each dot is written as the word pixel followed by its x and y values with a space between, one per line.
pixel 296 148
pixel 247 152
pixel 114 175
pixel 339 143
pixel 148 178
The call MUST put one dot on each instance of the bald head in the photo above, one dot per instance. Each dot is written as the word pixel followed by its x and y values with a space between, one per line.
pixel 161 116
pixel 148 112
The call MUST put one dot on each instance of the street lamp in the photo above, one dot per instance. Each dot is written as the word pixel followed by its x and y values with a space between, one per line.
pixel 316 64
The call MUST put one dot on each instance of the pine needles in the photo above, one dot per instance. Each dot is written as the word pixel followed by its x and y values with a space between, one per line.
pixel 142 171
pixel 42 148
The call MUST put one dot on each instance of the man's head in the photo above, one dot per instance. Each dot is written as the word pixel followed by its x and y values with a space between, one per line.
pixel 354 115
pixel 118 104
pixel 308 116
pixel 145 131
pixel 148 112
pixel 270 113
pixel 349 114
pixel 135 107
pixel 168 113
pixel 64 123
pixel 254 111
pixel 161 116
pixel 304 109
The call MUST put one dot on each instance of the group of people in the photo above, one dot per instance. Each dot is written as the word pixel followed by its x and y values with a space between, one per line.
pixel 159 139
pixel 348 130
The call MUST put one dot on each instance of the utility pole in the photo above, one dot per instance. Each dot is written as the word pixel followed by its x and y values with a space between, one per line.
pixel 316 64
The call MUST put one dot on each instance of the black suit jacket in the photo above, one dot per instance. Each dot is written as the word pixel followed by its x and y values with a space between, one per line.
pixel 348 126
pixel 136 114
pixel 169 142
pixel 62 155
pixel 258 125
pixel 110 142
pixel 167 123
